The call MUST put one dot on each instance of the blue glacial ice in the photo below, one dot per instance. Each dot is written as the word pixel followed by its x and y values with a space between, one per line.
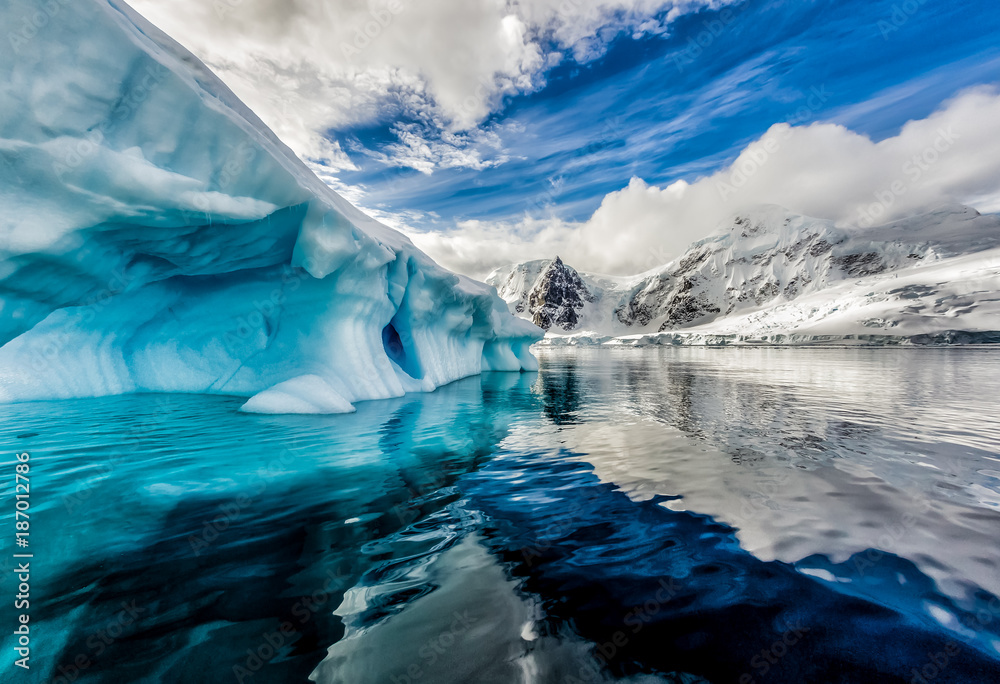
pixel 157 237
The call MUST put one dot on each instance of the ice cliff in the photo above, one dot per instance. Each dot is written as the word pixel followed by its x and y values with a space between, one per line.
pixel 156 236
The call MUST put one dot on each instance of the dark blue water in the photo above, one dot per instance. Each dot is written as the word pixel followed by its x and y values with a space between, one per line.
pixel 649 516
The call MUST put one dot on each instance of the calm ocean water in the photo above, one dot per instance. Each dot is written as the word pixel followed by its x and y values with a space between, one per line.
pixel 673 515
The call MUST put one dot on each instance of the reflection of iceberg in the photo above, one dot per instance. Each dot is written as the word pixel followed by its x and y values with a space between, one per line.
pixel 458 618
pixel 468 628
pixel 302 500
pixel 158 237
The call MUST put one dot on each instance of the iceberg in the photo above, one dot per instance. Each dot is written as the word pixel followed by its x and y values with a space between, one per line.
pixel 156 236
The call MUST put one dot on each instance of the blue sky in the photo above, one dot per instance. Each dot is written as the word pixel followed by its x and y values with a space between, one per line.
pixel 662 108
pixel 493 131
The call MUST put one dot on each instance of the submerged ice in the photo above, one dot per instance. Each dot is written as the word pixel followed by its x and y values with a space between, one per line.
pixel 156 236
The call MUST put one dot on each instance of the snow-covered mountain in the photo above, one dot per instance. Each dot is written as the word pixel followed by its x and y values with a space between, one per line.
pixel 548 293
pixel 770 275
pixel 157 236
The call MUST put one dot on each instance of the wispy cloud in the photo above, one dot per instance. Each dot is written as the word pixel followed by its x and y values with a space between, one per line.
pixel 306 67
pixel 821 170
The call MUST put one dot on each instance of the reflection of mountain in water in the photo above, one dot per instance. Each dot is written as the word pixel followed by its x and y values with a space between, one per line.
pixel 807 452
pixel 609 508
pixel 561 397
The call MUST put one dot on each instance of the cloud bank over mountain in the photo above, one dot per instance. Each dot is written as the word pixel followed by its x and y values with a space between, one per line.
pixel 821 170
pixel 612 132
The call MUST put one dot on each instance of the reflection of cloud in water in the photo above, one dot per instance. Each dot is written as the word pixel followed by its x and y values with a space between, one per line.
pixel 807 451
pixel 600 562
pixel 871 471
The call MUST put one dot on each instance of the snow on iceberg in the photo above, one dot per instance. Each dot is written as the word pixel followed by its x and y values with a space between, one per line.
pixel 157 236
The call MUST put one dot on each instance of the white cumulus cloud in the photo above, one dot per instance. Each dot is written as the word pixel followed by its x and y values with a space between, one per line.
pixel 822 170
pixel 309 66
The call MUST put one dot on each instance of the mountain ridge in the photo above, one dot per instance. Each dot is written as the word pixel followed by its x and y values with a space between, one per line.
pixel 744 282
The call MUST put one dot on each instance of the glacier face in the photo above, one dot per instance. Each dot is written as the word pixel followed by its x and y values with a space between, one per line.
pixel 770 275
pixel 156 236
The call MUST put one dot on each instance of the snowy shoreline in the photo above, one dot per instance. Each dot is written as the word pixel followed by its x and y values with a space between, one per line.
pixel 947 339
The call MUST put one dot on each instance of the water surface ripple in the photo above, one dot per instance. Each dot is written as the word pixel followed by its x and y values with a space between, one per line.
pixel 665 515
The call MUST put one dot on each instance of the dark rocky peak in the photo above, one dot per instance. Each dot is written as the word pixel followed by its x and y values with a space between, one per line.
pixel 557 296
